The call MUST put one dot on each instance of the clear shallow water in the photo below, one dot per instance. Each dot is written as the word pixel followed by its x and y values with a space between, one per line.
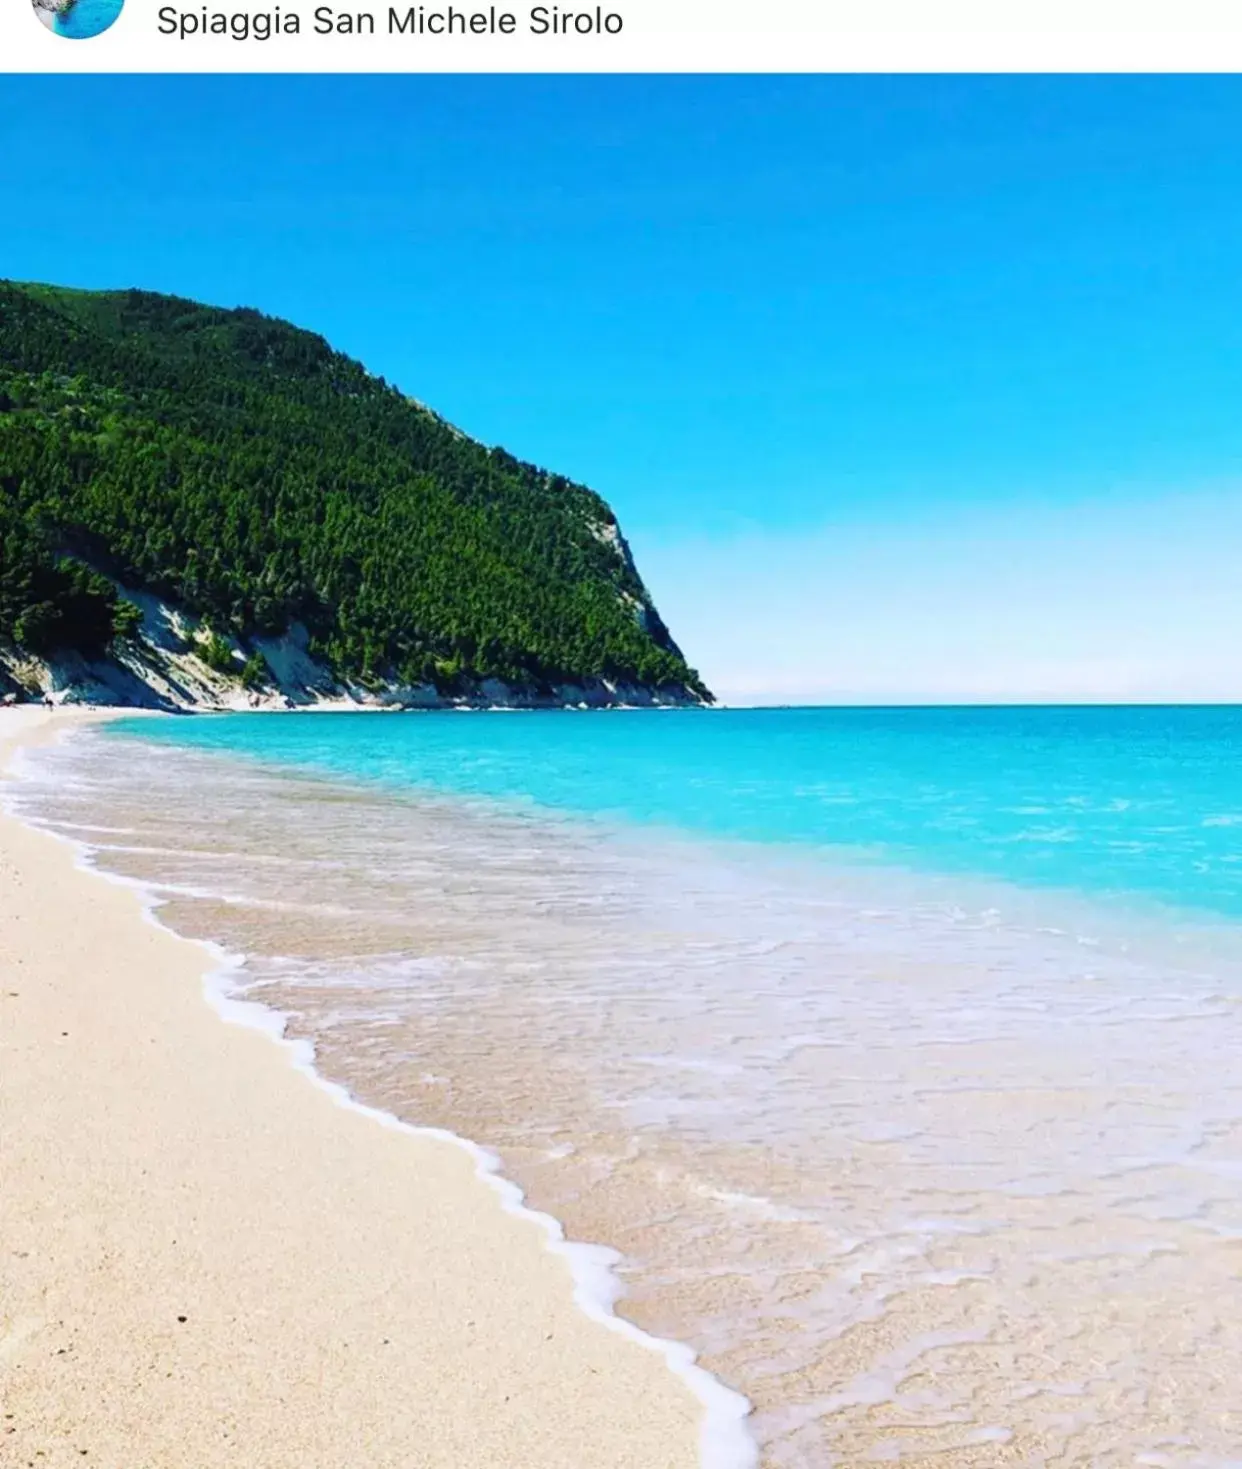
pixel 897 1050
pixel 1145 801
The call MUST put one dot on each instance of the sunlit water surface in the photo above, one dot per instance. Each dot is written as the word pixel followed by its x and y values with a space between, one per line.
pixel 898 1052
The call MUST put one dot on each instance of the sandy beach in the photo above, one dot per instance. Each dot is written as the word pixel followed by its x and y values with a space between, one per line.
pixel 207 1261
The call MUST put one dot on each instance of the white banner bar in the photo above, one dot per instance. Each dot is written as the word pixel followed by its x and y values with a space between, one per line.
pixel 618 36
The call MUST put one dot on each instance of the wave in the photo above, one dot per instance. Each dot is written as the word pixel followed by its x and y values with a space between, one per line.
pixel 897 1154
pixel 725 1442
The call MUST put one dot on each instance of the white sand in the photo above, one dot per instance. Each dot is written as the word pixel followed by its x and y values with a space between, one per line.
pixel 352 1295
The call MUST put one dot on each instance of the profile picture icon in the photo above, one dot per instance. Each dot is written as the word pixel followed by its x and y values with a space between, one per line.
pixel 77 19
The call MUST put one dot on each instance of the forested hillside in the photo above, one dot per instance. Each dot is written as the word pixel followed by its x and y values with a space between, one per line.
pixel 238 467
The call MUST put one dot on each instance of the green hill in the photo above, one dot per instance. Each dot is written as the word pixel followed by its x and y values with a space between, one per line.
pixel 239 468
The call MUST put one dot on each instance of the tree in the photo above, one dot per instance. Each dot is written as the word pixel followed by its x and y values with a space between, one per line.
pixel 245 471
pixel 126 620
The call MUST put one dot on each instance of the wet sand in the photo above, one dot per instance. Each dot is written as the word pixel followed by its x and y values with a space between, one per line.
pixel 936 1174
pixel 205 1261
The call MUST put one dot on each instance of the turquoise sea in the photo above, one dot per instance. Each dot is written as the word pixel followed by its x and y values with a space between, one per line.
pixel 894 1050
pixel 1137 801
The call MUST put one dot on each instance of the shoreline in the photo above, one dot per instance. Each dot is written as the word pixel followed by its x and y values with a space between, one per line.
pixel 509 1305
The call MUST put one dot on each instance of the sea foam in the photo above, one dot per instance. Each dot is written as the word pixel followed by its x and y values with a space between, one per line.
pixel 898 1152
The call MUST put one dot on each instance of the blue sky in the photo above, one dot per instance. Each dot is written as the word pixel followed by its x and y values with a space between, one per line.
pixel 902 388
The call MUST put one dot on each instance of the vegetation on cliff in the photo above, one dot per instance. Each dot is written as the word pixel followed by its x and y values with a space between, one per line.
pixel 239 467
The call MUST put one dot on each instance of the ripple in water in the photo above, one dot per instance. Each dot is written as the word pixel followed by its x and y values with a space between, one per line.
pixel 937 1174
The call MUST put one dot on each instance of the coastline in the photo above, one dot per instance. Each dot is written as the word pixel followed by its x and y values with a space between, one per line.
pixel 163 669
pixel 213 1262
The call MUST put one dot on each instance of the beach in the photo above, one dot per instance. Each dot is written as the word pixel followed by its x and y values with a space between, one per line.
pixel 934 1158
pixel 208 1261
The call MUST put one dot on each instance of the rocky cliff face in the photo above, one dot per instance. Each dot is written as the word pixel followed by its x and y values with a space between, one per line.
pixel 166 666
